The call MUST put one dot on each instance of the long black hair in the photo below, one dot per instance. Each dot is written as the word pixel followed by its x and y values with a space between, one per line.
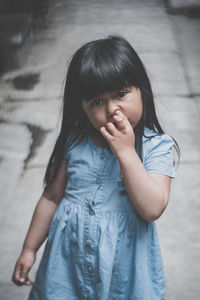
pixel 100 66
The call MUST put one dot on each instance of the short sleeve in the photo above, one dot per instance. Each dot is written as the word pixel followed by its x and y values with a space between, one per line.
pixel 158 155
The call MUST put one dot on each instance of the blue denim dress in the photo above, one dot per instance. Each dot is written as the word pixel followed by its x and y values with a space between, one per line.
pixel 98 247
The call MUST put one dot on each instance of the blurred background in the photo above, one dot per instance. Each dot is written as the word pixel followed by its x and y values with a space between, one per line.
pixel 37 40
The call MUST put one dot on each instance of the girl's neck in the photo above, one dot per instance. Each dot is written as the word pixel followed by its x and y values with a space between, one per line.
pixel 98 141
pixel 97 138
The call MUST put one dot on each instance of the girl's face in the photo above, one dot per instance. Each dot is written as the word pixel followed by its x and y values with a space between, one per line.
pixel 100 110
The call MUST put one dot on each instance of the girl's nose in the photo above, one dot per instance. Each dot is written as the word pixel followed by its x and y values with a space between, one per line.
pixel 111 108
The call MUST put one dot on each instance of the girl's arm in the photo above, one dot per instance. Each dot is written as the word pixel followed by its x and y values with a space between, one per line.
pixel 148 192
pixel 45 210
pixel 39 226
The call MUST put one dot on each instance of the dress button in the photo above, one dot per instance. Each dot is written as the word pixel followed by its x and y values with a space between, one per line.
pixel 85 293
pixel 120 183
pixel 89 267
pixel 88 242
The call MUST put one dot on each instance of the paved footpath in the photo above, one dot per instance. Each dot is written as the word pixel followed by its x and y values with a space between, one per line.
pixel 30 100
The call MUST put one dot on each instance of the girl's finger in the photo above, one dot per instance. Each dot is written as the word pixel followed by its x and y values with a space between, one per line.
pixel 28 281
pixel 121 120
pixel 105 133
pixel 17 272
pixel 119 113
pixel 23 275
pixel 111 128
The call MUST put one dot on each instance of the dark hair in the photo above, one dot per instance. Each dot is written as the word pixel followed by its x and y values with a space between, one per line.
pixel 101 66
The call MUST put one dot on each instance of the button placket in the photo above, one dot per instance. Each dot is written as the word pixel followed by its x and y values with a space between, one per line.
pixel 90 247
pixel 89 243
pixel 90 272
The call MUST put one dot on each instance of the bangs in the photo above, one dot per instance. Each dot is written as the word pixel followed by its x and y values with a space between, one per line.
pixel 104 71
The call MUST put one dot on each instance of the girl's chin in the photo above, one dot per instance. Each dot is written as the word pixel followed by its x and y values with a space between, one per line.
pixel 133 124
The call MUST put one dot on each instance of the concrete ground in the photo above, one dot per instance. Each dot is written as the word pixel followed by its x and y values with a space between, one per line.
pixel 30 100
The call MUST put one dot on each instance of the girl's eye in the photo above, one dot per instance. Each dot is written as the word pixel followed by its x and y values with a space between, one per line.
pixel 96 102
pixel 121 94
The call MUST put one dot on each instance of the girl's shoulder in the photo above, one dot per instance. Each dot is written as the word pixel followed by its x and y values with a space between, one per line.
pixel 158 153
pixel 75 143
pixel 152 139
pixel 71 135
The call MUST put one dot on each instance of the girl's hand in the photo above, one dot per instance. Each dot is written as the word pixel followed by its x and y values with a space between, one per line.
pixel 23 266
pixel 121 139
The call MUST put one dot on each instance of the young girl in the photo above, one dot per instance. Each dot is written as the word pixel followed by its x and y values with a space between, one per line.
pixel 107 181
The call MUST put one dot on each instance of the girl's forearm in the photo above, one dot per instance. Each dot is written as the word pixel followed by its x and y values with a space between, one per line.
pixel 145 193
pixel 40 223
